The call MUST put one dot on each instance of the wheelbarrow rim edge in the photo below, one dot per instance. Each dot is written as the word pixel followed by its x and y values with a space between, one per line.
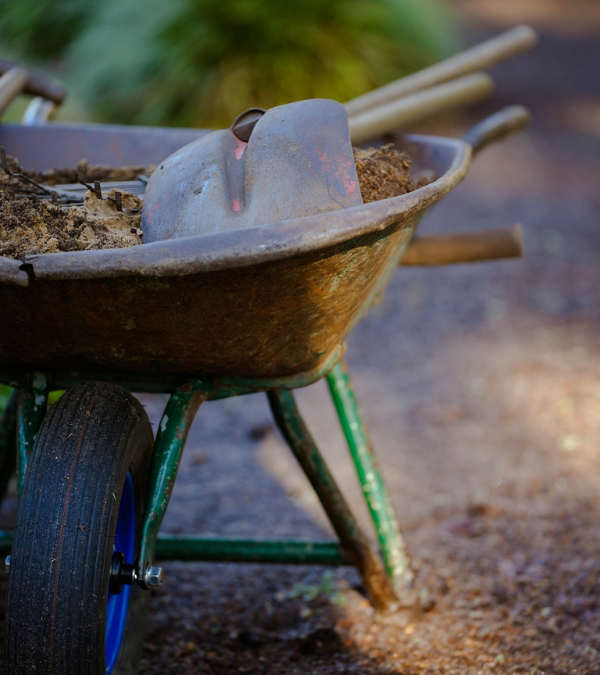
pixel 247 247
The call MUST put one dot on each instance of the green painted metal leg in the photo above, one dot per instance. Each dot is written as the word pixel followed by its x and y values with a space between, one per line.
pixel 8 442
pixel 181 547
pixel 393 547
pixel 32 405
pixel 354 543
pixel 168 448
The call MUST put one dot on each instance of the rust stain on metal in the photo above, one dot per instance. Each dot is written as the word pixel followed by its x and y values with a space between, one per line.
pixel 313 297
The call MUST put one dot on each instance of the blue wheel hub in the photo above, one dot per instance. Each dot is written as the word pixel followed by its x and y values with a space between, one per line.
pixel 118 603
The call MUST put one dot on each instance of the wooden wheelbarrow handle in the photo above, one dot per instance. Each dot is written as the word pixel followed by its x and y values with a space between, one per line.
pixel 12 83
pixel 498 125
pixel 37 84
pixel 446 249
pixel 505 242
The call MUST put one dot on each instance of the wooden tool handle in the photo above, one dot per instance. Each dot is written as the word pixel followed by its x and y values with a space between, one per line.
pixel 482 56
pixel 12 83
pixel 506 242
pixel 378 121
pixel 38 84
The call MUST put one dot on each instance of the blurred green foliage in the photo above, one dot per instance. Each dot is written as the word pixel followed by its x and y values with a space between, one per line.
pixel 40 29
pixel 5 392
pixel 201 62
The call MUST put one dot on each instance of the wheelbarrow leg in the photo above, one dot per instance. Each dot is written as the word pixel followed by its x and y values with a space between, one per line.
pixel 355 545
pixel 393 546
pixel 8 442
pixel 168 449
pixel 32 404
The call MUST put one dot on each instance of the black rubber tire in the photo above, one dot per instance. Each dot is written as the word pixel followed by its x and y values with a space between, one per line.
pixel 62 548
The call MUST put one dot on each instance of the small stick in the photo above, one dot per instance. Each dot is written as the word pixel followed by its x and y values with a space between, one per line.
pixel 4 165
pixel 95 189
pixel 66 194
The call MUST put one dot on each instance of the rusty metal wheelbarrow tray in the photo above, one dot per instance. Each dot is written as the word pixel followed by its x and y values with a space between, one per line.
pixel 264 304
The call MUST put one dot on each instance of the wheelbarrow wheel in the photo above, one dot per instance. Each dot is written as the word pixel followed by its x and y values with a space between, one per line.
pixel 67 612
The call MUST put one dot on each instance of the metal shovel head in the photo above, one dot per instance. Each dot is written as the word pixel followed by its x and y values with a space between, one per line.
pixel 297 162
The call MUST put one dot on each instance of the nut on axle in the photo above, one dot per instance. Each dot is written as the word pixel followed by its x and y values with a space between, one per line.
pixel 122 574
pixel 154 576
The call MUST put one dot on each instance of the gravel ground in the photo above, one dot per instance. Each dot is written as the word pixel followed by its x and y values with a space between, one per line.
pixel 480 385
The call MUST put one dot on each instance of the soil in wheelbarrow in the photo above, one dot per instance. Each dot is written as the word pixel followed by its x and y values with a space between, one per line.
pixel 383 173
pixel 30 225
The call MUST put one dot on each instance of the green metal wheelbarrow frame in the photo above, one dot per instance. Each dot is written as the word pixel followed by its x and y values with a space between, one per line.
pixel 26 408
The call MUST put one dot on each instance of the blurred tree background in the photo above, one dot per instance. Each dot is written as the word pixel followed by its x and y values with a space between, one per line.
pixel 201 62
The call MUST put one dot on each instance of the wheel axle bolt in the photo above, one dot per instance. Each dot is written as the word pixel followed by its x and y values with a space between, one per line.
pixel 154 576
pixel 7 564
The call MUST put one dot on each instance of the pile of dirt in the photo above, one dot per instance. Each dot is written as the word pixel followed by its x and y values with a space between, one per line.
pixel 29 225
pixel 384 172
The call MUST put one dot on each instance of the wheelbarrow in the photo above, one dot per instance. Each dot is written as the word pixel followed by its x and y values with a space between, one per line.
pixel 204 317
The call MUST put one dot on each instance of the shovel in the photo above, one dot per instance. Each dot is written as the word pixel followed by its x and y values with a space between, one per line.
pixel 292 161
